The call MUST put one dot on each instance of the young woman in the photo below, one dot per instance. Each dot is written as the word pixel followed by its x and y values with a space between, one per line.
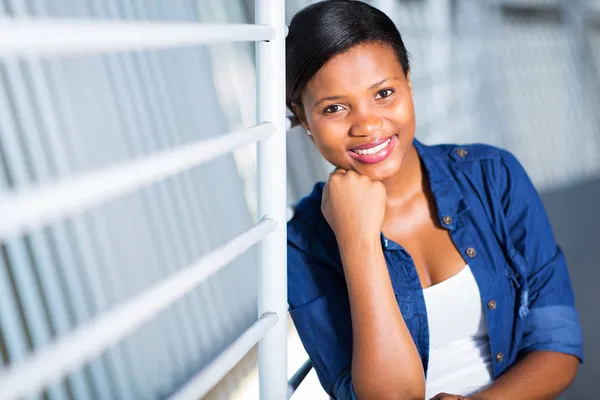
pixel 415 271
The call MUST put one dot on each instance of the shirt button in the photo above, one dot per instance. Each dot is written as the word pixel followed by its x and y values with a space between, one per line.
pixel 471 252
pixel 499 357
pixel 447 220
pixel 492 304
pixel 461 152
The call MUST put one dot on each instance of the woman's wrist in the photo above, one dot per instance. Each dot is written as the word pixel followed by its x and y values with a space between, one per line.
pixel 358 243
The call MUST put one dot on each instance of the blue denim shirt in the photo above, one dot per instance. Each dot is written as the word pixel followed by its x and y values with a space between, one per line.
pixel 499 225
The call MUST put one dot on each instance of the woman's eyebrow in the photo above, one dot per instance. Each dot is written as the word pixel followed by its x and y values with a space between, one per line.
pixel 328 98
pixel 381 82
pixel 335 98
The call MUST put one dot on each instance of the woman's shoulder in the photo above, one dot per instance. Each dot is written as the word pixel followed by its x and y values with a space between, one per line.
pixel 308 221
pixel 314 265
pixel 491 164
pixel 308 209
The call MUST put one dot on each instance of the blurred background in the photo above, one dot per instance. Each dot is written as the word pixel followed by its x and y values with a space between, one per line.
pixel 520 74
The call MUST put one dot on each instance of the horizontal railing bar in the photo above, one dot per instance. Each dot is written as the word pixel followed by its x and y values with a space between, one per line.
pixel 298 377
pixel 31 208
pixel 56 36
pixel 50 363
pixel 204 381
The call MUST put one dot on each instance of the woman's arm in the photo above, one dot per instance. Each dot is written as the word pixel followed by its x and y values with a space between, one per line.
pixel 539 375
pixel 385 361
pixel 551 345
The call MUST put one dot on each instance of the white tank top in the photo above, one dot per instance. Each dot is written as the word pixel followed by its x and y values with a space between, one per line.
pixel 460 360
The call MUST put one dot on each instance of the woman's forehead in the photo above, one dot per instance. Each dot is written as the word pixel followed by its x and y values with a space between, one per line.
pixel 357 69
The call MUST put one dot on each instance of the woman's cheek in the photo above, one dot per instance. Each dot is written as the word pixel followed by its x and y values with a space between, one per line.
pixel 332 133
pixel 333 150
pixel 405 112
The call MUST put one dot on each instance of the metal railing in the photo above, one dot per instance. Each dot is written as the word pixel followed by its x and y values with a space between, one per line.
pixel 24 210
pixel 299 377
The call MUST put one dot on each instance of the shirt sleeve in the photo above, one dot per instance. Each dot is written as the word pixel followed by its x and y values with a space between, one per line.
pixel 320 310
pixel 551 322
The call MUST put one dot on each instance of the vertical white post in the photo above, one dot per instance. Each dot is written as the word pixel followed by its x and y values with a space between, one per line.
pixel 272 291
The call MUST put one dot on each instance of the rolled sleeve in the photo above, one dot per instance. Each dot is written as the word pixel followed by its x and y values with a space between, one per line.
pixel 553 328
pixel 344 389
pixel 328 344
pixel 551 322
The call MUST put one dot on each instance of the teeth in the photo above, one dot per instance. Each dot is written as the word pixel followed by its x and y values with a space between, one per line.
pixel 373 150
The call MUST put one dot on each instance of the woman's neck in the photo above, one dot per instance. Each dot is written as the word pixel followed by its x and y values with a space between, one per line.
pixel 407 183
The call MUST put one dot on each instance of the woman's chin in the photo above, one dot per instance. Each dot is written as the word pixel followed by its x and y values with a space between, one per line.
pixel 377 172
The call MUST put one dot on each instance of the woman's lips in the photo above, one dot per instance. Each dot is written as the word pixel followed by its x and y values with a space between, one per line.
pixel 374 152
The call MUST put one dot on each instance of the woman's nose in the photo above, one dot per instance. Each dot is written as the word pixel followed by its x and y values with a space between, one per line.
pixel 367 126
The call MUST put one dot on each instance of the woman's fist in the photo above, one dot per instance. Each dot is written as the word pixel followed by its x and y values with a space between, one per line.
pixel 353 205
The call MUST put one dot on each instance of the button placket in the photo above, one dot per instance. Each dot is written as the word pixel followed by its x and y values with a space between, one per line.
pixel 465 240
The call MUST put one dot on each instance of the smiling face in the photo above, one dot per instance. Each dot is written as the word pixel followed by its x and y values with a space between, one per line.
pixel 360 112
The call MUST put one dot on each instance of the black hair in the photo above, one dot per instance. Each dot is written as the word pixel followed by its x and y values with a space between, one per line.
pixel 323 30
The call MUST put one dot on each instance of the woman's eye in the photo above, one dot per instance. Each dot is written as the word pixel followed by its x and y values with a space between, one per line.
pixel 382 94
pixel 332 109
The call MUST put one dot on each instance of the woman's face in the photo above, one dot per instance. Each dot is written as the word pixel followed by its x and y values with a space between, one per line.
pixel 360 112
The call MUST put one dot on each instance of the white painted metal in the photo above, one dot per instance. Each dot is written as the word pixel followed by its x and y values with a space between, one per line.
pixel 71 351
pixel 32 208
pixel 28 208
pixel 272 296
pixel 56 37
pixel 199 385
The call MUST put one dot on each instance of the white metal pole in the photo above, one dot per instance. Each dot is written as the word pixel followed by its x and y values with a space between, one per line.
pixel 272 291
pixel 56 36
pixel 206 379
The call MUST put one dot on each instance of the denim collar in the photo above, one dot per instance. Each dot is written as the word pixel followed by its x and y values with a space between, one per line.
pixel 447 195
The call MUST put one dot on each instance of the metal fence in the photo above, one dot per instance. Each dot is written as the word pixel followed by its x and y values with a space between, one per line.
pixel 42 343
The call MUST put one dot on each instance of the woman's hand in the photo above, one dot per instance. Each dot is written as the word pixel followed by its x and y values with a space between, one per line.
pixel 353 205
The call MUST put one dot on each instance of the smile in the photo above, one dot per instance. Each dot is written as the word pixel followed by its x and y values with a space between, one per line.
pixel 374 152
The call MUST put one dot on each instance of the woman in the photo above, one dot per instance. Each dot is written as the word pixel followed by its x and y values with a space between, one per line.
pixel 415 271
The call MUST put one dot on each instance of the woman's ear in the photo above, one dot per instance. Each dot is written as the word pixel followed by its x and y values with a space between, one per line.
pixel 409 82
pixel 299 112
